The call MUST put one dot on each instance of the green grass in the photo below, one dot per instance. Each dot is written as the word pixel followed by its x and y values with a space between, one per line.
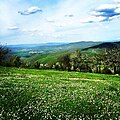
pixel 58 95
pixel 46 58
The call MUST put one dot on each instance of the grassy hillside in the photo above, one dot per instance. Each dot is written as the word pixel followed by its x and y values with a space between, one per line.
pixel 46 58
pixel 47 94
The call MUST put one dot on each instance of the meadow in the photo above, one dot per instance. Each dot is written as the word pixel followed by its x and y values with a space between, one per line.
pixel 58 95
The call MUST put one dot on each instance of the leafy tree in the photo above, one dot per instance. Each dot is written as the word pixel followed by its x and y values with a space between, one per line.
pixel 98 62
pixel 36 65
pixel 3 53
pixel 8 60
pixel 112 59
pixel 65 61
pixel 85 64
pixel 75 59
pixel 106 71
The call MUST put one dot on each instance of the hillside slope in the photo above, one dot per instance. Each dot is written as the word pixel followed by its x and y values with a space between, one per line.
pixel 106 45
pixel 28 94
pixel 46 58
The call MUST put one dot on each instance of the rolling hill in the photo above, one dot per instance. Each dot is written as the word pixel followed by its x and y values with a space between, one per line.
pixel 46 58
pixel 106 45
pixel 54 57
pixel 29 50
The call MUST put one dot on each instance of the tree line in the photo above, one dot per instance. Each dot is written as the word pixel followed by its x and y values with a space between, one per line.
pixel 107 62
pixel 8 60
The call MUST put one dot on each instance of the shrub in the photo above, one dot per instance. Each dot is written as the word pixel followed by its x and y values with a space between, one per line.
pixel 106 71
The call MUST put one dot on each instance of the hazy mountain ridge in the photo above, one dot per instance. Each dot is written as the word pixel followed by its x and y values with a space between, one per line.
pixel 28 50
pixel 109 45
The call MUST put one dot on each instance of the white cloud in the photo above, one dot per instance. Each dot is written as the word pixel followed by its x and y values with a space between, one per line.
pixel 117 10
pixel 13 28
pixel 31 10
pixel 44 28
pixel 92 19
pixel 69 15
pixel 30 30
pixel 106 6
pixel 108 11
pixel 116 0
pixel 6 18
pixel 50 20
pixel 52 35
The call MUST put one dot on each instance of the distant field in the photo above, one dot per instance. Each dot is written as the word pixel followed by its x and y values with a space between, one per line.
pixel 58 95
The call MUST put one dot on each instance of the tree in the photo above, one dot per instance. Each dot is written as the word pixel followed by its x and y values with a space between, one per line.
pixel 15 60
pixel 99 62
pixel 65 61
pixel 75 59
pixel 8 60
pixel 3 53
pixel 112 59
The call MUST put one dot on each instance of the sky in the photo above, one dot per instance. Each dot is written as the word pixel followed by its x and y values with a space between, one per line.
pixel 43 21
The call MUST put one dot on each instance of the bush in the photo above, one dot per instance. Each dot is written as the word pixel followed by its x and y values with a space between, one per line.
pixel 57 66
pixel 118 71
pixel 106 71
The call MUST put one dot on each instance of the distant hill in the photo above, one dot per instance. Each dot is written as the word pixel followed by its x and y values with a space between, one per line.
pixel 78 45
pixel 57 50
pixel 34 45
pixel 53 56
pixel 109 45
pixel 30 49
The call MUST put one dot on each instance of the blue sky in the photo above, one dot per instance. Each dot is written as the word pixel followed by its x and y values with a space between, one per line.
pixel 41 21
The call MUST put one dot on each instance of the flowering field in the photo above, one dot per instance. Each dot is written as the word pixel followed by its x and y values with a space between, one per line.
pixel 58 95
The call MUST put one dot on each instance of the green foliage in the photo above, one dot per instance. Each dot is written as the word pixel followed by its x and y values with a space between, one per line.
pixel 106 71
pixel 112 58
pixel 14 61
pixel 8 60
pixel 65 61
pixel 48 94
pixel 3 53
pixel 75 59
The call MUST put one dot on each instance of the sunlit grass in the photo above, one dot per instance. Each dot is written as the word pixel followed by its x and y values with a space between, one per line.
pixel 61 95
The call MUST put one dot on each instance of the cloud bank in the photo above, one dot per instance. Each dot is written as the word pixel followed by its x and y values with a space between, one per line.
pixel 116 0
pixel 63 20
pixel 107 11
